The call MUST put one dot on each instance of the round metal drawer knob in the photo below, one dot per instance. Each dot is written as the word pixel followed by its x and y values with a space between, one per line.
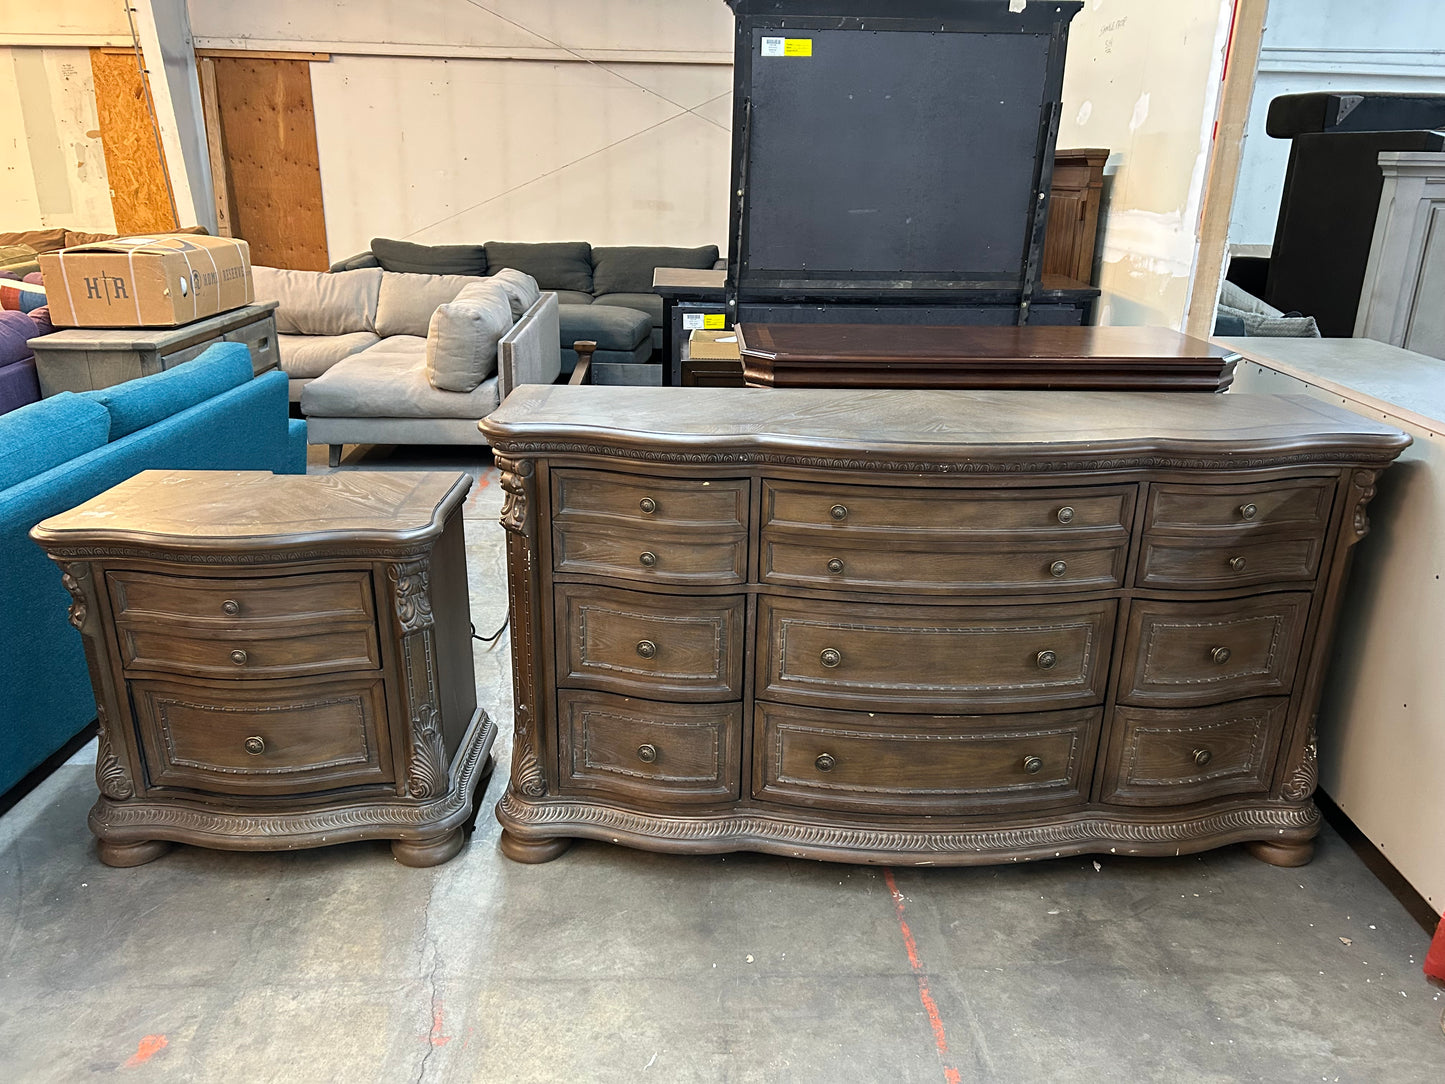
pixel 1033 765
pixel 648 505
pixel 835 565
pixel 824 763
pixel 1046 660
pixel 255 746
pixel 838 511
pixel 230 607
pixel 830 657
pixel 647 753
pixel 1057 569
pixel 1066 514
pixel 1237 563
pixel 1220 655
pixel 648 558
pixel 238 657
pixel 1248 511
pixel 1202 757
pixel 646 648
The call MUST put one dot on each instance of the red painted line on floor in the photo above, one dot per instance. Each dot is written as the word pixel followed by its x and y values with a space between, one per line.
pixel 146 1049
pixel 935 1019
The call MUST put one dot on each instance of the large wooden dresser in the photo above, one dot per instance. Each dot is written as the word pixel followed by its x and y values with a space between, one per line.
pixel 932 627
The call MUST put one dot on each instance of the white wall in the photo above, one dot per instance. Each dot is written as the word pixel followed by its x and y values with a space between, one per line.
pixel 52 164
pixel 1143 80
pixel 1346 45
pixel 597 120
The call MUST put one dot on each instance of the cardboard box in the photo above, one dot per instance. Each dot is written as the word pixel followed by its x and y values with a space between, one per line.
pixel 721 345
pixel 159 280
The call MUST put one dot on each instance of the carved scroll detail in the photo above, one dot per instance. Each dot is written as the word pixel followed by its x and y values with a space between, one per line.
pixel 110 774
pixel 413 595
pixel 427 775
pixel 76 578
pixel 516 481
pixel 1302 782
pixel 1364 491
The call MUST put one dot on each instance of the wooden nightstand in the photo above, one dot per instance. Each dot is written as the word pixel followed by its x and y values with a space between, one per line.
pixel 279 661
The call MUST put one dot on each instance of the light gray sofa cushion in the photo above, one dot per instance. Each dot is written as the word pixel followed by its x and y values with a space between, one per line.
pixel 305 356
pixel 461 340
pixel 648 303
pixel 405 302
pixel 521 289
pixel 320 302
pixel 389 381
pixel 573 297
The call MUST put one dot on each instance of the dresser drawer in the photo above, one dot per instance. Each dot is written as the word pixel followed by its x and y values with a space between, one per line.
pixel 642 750
pixel 647 554
pixel 717 503
pixel 922 764
pixel 1302 505
pixel 242 651
pixel 259 737
pixel 848 562
pixel 1204 652
pixel 318 598
pixel 1168 562
pixel 1174 757
pixel 914 658
pixel 1056 513
pixel 665 647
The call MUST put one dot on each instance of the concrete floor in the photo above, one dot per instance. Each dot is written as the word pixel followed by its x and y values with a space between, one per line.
pixel 618 965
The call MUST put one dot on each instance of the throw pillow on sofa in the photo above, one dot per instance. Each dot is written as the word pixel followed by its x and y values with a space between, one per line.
pixel 556 265
pixel 521 289
pixel 412 259
pixel 627 269
pixel 318 302
pixel 461 341
pixel 406 302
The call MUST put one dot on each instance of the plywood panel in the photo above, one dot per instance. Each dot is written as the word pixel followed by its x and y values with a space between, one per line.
pixel 133 160
pixel 269 134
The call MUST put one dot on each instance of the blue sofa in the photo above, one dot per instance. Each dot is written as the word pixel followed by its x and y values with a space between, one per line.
pixel 208 414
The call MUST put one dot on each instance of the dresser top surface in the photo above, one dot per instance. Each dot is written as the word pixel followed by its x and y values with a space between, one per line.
pixel 260 510
pixel 951 426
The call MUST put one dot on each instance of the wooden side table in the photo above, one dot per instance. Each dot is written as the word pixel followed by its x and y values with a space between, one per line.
pixel 84 359
pixel 279 661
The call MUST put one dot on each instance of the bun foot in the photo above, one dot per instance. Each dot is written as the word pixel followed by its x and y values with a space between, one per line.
pixel 532 852
pixel 420 853
pixel 1282 854
pixel 130 854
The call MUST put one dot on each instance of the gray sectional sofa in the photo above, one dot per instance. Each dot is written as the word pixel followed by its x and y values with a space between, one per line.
pixel 367 351
pixel 599 290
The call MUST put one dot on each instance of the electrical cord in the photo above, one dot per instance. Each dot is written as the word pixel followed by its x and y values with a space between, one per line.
pixel 493 637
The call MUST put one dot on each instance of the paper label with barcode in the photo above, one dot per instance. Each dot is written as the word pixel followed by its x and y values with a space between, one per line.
pixel 691 321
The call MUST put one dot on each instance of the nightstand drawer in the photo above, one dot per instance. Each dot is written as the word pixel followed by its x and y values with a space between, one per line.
pixel 232 602
pixel 1204 652
pixel 1173 757
pixel 288 651
pixel 643 750
pixel 263 737
pixel 916 658
pixel 1296 505
pixel 665 647
pixel 922 764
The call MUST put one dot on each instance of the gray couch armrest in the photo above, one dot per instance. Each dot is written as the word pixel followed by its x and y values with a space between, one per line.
pixel 528 353
pixel 351 263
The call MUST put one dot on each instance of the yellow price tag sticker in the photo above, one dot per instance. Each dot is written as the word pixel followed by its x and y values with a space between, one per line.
pixel 798 47
pixel 714 321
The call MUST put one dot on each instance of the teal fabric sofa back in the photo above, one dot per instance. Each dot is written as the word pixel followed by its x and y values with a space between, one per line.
pixel 208 414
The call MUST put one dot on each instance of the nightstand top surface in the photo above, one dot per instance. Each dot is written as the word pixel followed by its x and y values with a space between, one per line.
pixel 200 509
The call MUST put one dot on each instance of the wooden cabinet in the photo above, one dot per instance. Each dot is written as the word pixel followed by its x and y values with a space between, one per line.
pixel 278 661
pixel 923 626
